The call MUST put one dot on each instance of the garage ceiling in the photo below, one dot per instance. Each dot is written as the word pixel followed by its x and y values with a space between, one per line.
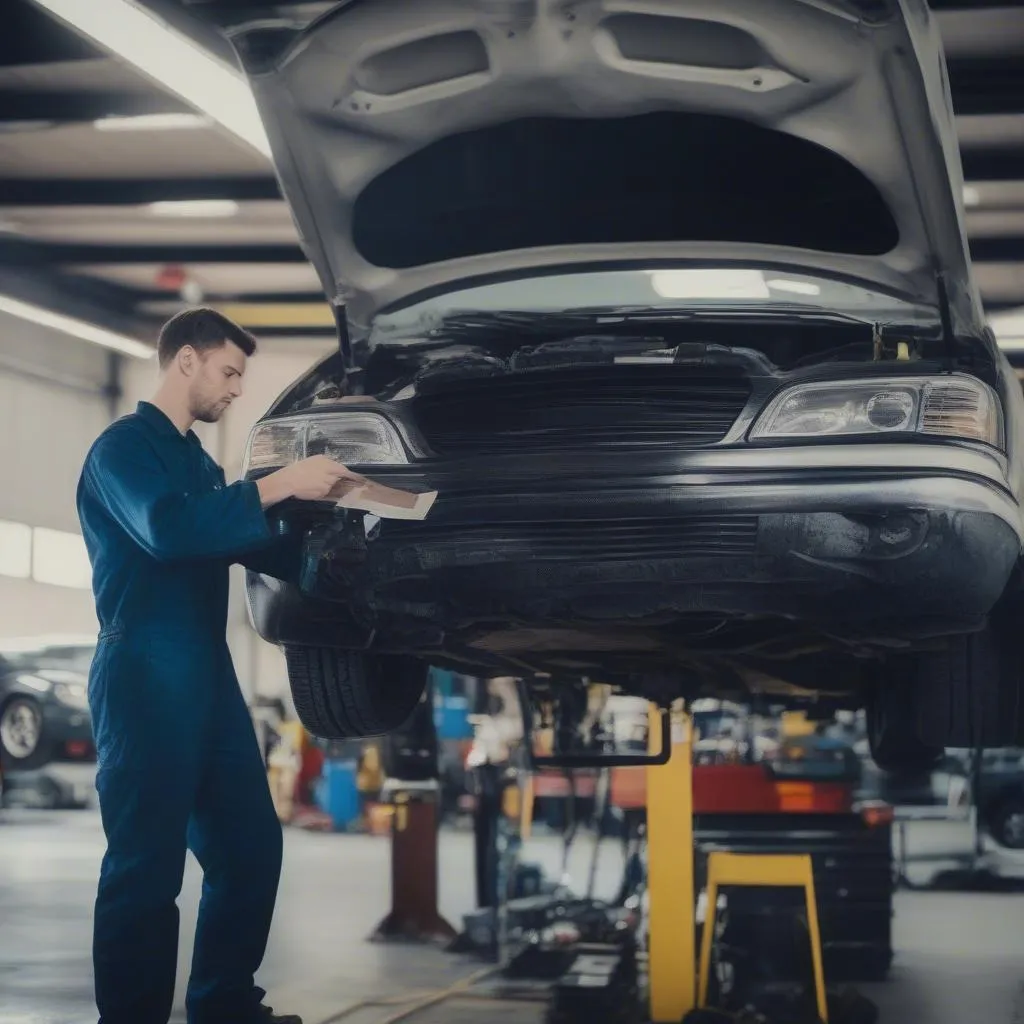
pixel 83 176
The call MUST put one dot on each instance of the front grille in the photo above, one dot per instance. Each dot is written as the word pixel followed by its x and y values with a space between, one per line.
pixel 591 407
pixel 678 537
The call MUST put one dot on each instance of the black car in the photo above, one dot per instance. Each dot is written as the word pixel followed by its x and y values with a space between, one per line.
pixel 671 303
pixel 44 710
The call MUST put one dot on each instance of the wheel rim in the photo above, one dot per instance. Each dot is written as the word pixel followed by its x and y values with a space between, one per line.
pixel 20 729
pixel 1013 829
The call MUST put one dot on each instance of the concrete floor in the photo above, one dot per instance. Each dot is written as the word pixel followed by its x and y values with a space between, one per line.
pixel 960 957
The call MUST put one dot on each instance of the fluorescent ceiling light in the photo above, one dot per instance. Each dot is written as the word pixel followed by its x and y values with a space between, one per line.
pixel 153 123
pixel 76 328
pixel 972 197
pixel 170 59
pixel 194 208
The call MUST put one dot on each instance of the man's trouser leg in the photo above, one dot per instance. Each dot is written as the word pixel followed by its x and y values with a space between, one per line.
pixel 148 743
pixel 236 837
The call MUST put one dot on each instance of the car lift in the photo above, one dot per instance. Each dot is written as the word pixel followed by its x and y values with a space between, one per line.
pixel 678 982
pixel 674 990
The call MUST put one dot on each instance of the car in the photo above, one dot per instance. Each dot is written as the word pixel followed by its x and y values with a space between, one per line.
pixel 44 708
pixel 998 793
pixel 671 304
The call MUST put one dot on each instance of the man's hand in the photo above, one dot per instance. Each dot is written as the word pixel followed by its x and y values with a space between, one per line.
pixel 310 479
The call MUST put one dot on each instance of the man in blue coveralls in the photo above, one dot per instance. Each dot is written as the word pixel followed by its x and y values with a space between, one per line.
pixel 178 761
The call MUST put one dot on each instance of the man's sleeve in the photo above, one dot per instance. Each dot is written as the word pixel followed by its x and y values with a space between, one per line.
pixel 281 558
pixel 127 477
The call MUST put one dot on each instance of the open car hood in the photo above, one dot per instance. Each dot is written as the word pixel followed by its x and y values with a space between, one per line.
pixel 426 145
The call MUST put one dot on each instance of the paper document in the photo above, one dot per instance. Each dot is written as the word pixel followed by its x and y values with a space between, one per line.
pixel 386 502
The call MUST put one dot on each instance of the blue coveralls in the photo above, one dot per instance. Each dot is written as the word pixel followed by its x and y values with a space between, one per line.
pixel 178 761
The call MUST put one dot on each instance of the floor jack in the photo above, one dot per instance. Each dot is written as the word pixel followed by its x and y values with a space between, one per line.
pixel 604 983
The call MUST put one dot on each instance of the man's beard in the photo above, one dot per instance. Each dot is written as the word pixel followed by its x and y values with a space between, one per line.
pixel 209 413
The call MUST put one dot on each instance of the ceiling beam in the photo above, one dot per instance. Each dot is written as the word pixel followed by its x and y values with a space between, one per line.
pixel 993 164
pixel 156 296
pixel 31 36
pixel 971 5
pixel 19 253
pixel 979 165
pixel 296 332
pixel 18 106
pixel 132 192
pixel 987 85
pixel 15 252
pixel 998 250
pixel 96 302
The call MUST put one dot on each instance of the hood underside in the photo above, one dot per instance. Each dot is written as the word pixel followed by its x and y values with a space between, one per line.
pixel 425 145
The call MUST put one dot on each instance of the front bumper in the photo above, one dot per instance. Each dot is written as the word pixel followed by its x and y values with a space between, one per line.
pixel 899 540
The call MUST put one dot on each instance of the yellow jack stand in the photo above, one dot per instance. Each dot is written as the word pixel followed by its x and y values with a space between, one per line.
pixel 670 870
pixel 769 870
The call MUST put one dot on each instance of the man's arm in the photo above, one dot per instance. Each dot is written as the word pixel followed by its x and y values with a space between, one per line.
pixel 281 558
pixel 126 476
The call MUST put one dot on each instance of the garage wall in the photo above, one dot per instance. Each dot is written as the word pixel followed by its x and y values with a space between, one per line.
pixel 260 666
pixel 52 404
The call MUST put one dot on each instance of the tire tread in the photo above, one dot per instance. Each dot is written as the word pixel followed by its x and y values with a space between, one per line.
pixel 342 694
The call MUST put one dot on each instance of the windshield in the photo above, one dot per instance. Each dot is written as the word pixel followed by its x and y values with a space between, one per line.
pixel 668 289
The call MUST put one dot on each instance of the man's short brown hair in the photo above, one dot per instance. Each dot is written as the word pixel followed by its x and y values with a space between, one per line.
pixel 204 329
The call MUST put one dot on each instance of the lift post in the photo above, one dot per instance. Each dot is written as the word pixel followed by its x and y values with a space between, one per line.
pixel 414 916
pixel 670 871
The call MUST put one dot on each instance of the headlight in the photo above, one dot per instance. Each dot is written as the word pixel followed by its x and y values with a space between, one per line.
pixel 352 438
pixel 71 695
pixel 947 406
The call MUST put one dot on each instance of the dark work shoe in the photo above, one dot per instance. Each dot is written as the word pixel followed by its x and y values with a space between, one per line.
pixel 267 1016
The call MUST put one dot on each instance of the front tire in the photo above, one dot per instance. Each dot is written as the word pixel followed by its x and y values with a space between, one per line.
pixel 342 694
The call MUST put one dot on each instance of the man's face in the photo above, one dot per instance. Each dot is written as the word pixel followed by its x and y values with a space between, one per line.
pixel 216 382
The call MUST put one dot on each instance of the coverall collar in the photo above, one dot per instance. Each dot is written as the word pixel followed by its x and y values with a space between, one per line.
pixel 158 419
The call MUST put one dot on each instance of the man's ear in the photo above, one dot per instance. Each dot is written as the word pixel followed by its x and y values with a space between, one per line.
pixel 187 359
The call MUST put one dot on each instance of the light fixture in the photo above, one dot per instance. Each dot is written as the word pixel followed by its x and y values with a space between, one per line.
pixel 194 208
pixel 972 196
pixel 170 59
pixel 75 327
pixel 153 123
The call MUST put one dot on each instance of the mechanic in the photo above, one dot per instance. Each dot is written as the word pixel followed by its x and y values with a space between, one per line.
pixel 179 765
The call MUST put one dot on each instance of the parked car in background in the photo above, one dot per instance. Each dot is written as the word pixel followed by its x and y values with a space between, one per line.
pixel 44 709
pixel 671 303
pixel 997 791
